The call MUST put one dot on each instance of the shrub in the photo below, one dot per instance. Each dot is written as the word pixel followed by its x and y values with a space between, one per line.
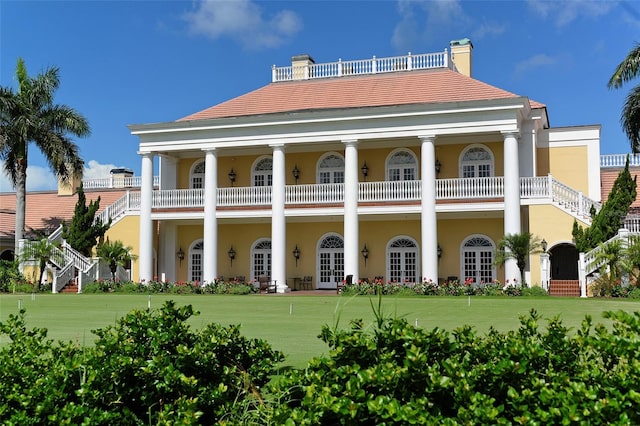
pixel 150 368
pixel 399 374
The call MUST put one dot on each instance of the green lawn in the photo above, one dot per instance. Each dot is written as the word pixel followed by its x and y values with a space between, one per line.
pixel 292 323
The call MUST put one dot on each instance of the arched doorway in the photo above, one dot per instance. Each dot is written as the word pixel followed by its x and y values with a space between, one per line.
pixel 330 261
pixel 564 262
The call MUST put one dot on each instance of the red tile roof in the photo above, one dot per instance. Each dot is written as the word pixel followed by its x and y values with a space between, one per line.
pixel 46 210
pixel 400 88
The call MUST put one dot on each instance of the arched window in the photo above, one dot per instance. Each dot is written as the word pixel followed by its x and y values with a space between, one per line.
pixel 402 165
pixel 402 260
pixel 263 172
pixel 261 258
pixel 7 255
pixel 476 161
pixel 330 261
pixel 477 260
pixel 195 261
pixel 196 179
pixel 331 169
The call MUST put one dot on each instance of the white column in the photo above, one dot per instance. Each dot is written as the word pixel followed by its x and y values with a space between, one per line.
pixel 278 221
pixel 428 219
pixel 168 171
pixel 512 223
pixel 351 251
pixel 210 239
pixel 167 248
pixel 145 257
pixel 544 270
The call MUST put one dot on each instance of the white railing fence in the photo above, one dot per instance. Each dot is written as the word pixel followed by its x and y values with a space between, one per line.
pixel 363 66
pixel 117 182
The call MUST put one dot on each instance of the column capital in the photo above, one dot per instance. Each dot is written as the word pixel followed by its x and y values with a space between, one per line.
pixel 513 133
pixel 146 154
pixel 212 149
pixel 427 138
pixel 278 145
pixel 350 142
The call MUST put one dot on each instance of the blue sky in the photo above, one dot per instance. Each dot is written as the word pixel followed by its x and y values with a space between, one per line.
pixel 132 62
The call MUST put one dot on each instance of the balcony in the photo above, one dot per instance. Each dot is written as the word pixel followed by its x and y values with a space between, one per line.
pixel 319 195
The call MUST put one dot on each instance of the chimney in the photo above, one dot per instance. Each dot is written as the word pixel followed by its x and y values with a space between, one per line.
pixel 301 66
pixel 71 186
pixel 461 55
pixel 119 177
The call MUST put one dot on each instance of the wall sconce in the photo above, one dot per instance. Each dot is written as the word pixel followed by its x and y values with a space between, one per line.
pixel 296 254
pixel 438 167
pixel 543 243
pixel 180 255
pixel 365 254
pixel 365 170
pixel 232 254
pixel 439 252
pixel 296 173
pixel 232 176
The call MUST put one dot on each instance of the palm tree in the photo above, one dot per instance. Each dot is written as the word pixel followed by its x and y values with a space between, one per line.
pixel 30 115
pixel 626 71
pixel 115 254
pixel 41 251
pixel 518 247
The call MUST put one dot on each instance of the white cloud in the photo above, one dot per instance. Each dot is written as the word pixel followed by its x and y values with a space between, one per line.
pixel 488 29
pixel 42 179
pixel 243 21
pixel 96 170
pixel 537 61
pixel 565 12
pixel 38 179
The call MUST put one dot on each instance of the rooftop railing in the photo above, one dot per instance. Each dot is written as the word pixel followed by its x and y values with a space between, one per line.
pixel 363 66
pixel 619 160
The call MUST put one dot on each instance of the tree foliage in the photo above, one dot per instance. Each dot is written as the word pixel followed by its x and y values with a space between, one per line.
pixel 29 115
pixel 606 223
pixel 398 374
pixel 517 247
pixel 85 229
pixel 150 368
pixel 115 254
pixel 626 71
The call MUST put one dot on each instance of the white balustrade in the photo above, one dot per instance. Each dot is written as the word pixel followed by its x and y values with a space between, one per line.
pixel 117 182
pixel 178 198
pixel 407 190
pixel 244 196
pixel 325 193
pixel 364 66
pixel 619 160
pixel 470 188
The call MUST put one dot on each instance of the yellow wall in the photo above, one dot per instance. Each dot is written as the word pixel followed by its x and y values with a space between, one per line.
pixel 569 165
pixel 127 230
pixel 451 233
pixel 448 155
pixel 552 224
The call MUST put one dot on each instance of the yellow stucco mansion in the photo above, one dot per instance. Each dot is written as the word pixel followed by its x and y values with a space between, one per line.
pixel 404 168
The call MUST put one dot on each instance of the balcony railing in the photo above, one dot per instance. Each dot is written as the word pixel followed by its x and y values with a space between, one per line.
pixel 117 182
pixel 386 191
pixel 362 67
pixel 619 160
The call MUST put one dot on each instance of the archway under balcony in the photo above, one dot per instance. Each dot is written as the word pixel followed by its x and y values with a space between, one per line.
pixel 564 262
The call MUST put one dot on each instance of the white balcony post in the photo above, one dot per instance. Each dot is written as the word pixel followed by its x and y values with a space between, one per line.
pixel 168 172
pixel 145 258
pixel 351 232
pixel 512 223
pixel 278 221
pixel 167 247
pixel 210 240
pixel 544 270
pixel 428 219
